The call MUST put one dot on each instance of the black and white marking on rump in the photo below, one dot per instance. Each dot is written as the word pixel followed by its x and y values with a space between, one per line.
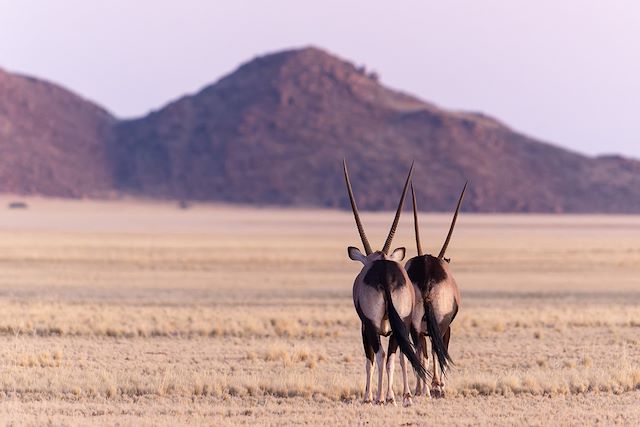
pixel 426 271
pixel 385 274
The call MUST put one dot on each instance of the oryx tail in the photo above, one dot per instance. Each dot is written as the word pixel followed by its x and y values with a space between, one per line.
pixel 437 344
pixel 401 334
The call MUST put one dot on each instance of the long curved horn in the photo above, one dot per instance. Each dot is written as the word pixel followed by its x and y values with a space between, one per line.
pixel 354 208
pixel 453 223
pixel 415 221
pixel 387 244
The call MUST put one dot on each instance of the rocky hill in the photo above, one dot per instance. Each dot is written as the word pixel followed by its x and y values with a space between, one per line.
pixel 52 142
pixel 275 131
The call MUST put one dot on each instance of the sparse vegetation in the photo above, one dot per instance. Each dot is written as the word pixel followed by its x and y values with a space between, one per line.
pixel 174 327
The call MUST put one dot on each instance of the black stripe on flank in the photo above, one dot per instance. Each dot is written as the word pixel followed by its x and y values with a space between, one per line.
pixel 455 311
pixel 370 335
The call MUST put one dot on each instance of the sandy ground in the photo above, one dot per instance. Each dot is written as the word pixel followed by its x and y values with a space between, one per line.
pixel 136 313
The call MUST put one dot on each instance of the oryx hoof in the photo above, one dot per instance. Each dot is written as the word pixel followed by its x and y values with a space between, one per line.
pixel 391 401
pixel 438 393
pixel 379 402
pixel 366 402
pixel 406 400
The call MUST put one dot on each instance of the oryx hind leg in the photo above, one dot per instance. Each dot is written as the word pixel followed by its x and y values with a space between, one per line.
pixel 420 343
pixel 438 376
pixel 371 337
pixel 406 391
pixel 445 339
pixel 380 359
pixel 369 354
pixel 391 362
pixel 425 353
pixel 435 379
pixel 417 343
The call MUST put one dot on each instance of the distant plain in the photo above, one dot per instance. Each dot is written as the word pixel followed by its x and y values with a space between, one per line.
pixel 142 313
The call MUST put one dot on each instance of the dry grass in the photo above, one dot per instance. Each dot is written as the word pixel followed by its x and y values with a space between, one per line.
pixel 144 314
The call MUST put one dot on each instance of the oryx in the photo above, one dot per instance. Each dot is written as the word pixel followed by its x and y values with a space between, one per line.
pixel 438 291
pixel 384 298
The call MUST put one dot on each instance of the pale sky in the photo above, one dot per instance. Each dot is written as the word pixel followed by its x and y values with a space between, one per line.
pixel 567 72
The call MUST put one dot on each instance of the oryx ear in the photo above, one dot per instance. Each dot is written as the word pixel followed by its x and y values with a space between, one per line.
pixel 356 255
pixel 398 254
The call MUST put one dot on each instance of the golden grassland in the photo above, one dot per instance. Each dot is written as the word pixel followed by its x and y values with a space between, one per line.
pixel 145 314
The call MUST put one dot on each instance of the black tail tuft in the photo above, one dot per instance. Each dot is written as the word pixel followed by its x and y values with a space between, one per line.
pixel 444 360
pixel 401 334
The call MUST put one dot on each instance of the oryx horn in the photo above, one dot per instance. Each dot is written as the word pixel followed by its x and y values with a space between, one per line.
pixel 415 221
pixel 354 208
pixel 387 244
pixel 453 223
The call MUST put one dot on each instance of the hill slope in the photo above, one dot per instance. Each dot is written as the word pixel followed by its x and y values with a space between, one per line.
pixel 275 131
pixel 52 142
